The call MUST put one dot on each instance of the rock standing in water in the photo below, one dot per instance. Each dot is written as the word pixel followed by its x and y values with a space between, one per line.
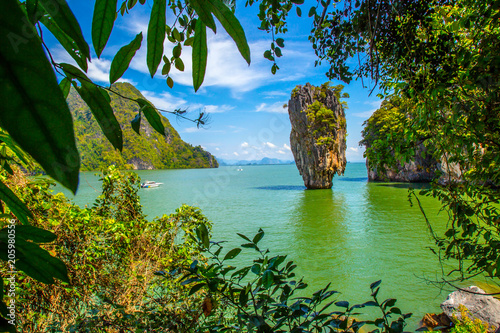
pixel 318 136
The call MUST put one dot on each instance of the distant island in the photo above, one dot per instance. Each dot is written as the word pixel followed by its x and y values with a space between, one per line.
pixel 147 151
pixel 264 161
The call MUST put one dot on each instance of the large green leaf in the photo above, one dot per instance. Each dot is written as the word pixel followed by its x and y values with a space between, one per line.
pixel 15 205
pixel 38 263
pixel 37 235
pixel 203 9
pixel 122 59
pixel 64 18
pixel 200 53
pixel 136 123
pixel 232 27
pixel 154 119
pixel 99 104
pixel 34 111
pixel 156 35
pixel 102 23
pixel 69 44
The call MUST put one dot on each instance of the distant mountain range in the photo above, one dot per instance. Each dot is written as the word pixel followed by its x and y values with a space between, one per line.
pixel 264 161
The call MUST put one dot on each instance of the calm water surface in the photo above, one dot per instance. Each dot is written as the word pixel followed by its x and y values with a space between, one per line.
pixel 352 235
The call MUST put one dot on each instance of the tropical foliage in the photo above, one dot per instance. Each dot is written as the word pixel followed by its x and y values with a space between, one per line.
pixel 112 253
pixel 35 116
pixel 442 59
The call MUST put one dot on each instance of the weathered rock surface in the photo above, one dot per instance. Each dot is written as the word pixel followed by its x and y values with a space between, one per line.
pixel 318 136
pixel 484 307
pixel 423 169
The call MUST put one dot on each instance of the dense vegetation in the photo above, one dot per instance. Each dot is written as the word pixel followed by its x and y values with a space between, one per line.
pixel 442 57
pixel 144 150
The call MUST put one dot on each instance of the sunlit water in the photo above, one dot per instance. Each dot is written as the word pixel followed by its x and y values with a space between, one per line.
pixel 352 235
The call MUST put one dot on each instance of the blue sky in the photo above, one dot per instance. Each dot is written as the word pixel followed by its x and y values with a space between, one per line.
pixel 245 102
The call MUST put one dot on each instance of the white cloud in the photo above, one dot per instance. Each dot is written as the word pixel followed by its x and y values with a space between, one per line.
pixel 273 108
pixel 270 145
pixel 165 100
pixel 375 105
pixel 217 148
pixel 218 108
pixel 236 154
pixel 98 69
pixel 355 154
pixel 191 130
pixel 281 152
pixel 245 145
pixel 225 65
pixel 287 147
pixel 274 94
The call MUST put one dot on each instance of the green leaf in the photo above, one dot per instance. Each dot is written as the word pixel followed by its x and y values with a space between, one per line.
pixel 195 288
pixel 200 53
pixel 170 82
pixel 244 237
pixel 66 42
pixel 166 68
pixel 312 11
pixel 154 119
pixel 98 104
pixel 122 59
pixel 136 123
pixel 176 52
pixel 204 13
pixel 232 254
pixel 375 284
pixel 298 2
pixel 64 18
pixel 33 11
pixel 38 263
pixel 179 64
pixel 258 236
pixel 102 23
pixel 267 279
pixel 205 239
pixel 31 99
pixel 299 11
pixel 342 304
pixel 15 205
pixel 280 42
pixel 156 35
pixel 37 235
pixel 65 86
pixel 232 26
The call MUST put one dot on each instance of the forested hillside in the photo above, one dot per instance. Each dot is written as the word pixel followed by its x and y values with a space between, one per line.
pixel 149 150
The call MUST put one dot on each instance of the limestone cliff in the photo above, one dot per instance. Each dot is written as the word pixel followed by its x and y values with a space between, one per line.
pixel 318 136
pixel 146 151
pixel 385 141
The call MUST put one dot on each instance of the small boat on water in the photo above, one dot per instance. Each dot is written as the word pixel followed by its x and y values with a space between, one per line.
pixel 149 184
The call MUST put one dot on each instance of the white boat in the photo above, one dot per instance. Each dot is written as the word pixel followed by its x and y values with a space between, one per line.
pixel 149 184
pixel 239 169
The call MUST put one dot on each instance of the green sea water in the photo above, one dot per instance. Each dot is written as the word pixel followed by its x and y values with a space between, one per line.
pixel 352 235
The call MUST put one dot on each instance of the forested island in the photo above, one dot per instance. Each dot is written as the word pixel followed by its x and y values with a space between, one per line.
pixel 145 151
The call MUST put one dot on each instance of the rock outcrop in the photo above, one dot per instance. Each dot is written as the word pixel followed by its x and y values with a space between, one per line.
pixel 421 170
pixel 318 136
pixel 483 307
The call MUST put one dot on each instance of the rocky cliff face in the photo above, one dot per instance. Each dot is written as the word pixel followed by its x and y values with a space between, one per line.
pixel 422 169
pixel 318 136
